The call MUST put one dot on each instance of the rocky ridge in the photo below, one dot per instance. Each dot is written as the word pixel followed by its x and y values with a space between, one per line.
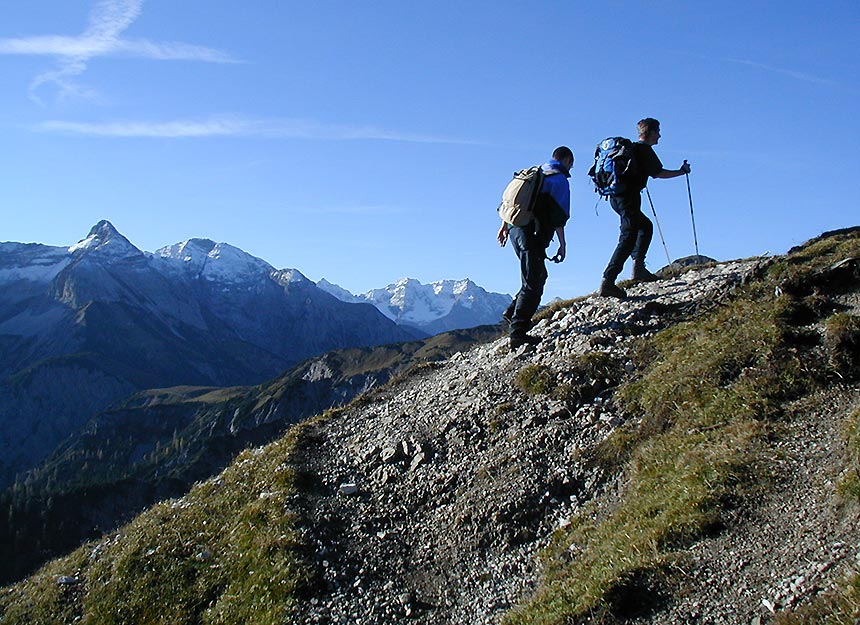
pixel 407 524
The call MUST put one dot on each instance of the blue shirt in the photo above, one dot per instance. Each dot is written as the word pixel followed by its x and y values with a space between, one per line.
pixel 556 185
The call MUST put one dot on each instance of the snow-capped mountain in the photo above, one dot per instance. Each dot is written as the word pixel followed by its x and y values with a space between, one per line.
pixel 86 325
pixel 214 262
pixel 436 307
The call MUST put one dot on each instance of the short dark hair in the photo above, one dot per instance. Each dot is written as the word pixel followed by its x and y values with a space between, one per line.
pixel 562 152
pixel 647 125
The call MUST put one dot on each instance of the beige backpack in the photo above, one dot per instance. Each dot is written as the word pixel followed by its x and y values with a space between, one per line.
pixel 518 198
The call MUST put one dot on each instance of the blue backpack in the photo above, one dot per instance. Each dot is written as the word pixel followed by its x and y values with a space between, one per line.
pixel 614 164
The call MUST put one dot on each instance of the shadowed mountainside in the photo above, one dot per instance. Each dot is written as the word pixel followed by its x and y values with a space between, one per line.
pixel 157 443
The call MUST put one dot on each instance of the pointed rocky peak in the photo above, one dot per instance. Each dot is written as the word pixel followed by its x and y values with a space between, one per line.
pixel 105 240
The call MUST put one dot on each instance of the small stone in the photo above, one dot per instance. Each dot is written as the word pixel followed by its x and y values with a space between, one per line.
pixel 67 580
pixel 417 461
pixel 558 410
pixel 348 489
pixel 389 454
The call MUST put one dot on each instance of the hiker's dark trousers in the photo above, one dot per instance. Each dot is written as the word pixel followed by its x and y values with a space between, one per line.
pixel 636 233
pixel 532 253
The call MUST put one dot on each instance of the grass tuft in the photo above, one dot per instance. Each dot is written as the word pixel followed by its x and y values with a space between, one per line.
pixel 536 380
pixel 849 486
pixel 842 337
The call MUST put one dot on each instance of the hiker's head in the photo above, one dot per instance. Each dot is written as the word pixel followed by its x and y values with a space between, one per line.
pixel 649 130
pixel 563 155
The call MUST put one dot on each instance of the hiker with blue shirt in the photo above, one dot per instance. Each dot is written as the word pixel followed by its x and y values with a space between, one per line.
pixel 551 212
pixel 636 228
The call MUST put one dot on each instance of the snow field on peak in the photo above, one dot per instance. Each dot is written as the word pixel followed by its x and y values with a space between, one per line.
pixel 409 300
pixel 214 262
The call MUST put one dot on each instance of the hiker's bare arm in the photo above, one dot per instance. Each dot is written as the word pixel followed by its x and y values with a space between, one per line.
pixel 562 245
pixel 674 173
pixel 502 235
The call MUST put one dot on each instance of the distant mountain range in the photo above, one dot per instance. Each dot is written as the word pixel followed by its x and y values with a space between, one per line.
pixel 84 327
pixel 437 307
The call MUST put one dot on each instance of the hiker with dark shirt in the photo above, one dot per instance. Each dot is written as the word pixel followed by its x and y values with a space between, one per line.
pixel 552 210
pixel 636 228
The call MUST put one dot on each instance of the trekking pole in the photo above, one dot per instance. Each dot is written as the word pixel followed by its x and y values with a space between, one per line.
pixel 659 229
pixel 692 216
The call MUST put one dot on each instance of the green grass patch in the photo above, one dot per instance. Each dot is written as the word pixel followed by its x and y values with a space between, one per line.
pixel 590 375
pixel 842 336
pixel 227 552
pixel 849 485
pixel 536 380
pixel 675 491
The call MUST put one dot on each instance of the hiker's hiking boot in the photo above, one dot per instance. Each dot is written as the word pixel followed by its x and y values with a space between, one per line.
pixel 640 274
pixel 518 340
pixel 608 288
pixel 508 318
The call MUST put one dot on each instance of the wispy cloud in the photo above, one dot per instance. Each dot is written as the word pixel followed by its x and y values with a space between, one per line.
pixel 108 19
pixel 234 126
pixel 785 72
pixel 766 67
pixel 80 47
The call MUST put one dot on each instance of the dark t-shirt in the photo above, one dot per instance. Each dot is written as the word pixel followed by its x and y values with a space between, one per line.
pixel 647 164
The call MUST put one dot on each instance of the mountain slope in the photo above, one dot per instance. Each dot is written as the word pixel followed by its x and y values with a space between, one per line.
pixel 159 442
pixel 633 468
pixel 83 327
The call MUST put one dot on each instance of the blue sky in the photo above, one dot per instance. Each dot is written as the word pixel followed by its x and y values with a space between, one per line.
pixel 368 141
